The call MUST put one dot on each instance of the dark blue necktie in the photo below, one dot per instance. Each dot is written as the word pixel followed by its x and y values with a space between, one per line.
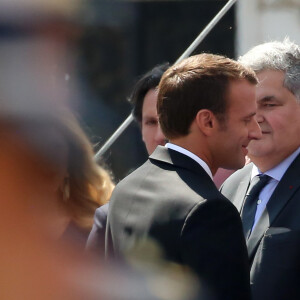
pixel 250 203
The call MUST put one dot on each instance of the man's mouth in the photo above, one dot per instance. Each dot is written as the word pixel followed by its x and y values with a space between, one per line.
pixel 264 131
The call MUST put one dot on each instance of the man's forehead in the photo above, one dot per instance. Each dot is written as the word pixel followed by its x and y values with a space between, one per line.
pixel 267 76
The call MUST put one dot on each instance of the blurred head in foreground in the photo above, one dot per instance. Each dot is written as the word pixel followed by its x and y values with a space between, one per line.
pixel 51 170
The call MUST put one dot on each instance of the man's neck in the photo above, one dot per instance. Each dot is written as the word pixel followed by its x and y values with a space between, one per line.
pixel 190 154
pixel 192 145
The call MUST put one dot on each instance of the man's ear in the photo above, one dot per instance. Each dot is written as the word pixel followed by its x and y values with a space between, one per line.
pixel 206 121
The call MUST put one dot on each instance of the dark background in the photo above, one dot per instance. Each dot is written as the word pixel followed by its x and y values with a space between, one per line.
pixel 124 39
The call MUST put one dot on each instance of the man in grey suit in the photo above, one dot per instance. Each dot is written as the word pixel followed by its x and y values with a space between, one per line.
pixel 271 220
pixel 206 108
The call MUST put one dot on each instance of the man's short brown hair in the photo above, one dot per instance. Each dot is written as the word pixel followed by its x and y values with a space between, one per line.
pixel 198 82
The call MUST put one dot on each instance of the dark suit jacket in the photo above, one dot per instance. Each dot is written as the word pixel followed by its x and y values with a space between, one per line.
pixel 96 239
pixel 173 201
pixel 274 244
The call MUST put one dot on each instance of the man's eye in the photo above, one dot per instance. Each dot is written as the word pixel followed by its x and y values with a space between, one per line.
pixel 151 122
pixel 269 104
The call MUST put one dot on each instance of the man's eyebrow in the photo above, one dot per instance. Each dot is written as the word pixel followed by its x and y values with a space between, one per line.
pixel 266 99
pixel 149 118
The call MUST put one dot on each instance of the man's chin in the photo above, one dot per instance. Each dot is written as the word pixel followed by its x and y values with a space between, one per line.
pixel 257 152
pixel 238 164
pixel 256 146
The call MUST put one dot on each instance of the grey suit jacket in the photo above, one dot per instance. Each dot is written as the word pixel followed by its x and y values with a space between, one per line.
pixel 274 244
pixel 173 201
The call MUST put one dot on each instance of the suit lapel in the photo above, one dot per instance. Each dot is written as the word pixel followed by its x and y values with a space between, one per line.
pixel 262 225
pixel 188 170
pixel 172 157
pixel 237 197
pixel 238 200
pixel 284 191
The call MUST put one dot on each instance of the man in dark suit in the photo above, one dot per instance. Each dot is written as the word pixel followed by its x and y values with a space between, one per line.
pixel 206 107
pixel 272 223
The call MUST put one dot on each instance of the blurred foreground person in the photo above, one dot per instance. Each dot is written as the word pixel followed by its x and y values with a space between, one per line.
pixel 85 184
pixel 271 211
pixel 206 107
pixel 38 82
pixel 34 265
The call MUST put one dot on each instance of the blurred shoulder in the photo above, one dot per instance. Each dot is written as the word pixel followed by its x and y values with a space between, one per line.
pixel 101 212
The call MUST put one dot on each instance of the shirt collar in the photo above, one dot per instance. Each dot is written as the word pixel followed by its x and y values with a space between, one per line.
pixel 192 156
pixel 278 171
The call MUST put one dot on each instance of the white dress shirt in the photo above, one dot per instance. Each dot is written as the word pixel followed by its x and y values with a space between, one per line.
pixel 192 156
pixel 276 174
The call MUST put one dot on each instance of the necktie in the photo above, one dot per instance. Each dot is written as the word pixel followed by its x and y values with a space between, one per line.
pixel 250 203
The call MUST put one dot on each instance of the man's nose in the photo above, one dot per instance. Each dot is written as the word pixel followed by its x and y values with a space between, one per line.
pixel 259 117
pixel 255 130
